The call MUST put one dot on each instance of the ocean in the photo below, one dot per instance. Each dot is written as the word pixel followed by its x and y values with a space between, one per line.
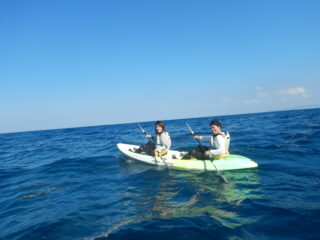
pixel 75 184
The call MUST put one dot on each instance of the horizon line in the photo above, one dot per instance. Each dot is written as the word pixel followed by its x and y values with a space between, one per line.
pixel 111 124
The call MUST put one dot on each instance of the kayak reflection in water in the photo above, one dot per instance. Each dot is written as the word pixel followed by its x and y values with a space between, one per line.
pixel 158 145
pixel 219 142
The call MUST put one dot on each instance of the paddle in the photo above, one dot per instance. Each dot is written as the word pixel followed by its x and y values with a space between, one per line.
pixel 150 140
pixel 193 134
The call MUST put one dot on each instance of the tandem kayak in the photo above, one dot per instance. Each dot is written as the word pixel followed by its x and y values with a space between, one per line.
pixel 231 162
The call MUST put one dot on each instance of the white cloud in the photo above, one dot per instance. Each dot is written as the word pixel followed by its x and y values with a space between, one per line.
pixel 262 94
pixel 226 100
pixel 297 91
pixel 259 88
pixel 251 101
pixel 294 91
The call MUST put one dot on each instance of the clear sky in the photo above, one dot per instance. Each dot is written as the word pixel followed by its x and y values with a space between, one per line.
pixel 72 63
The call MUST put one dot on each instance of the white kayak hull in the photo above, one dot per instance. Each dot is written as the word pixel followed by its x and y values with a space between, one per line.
pixel 231 162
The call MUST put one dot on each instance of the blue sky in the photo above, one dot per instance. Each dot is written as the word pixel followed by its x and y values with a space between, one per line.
pixel 78 63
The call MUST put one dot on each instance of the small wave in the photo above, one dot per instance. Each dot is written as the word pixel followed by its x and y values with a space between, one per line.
pixel 180 228
pixel 41 193
pixel 112 229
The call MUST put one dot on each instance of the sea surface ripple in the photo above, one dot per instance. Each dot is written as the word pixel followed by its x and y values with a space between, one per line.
pixel 74 183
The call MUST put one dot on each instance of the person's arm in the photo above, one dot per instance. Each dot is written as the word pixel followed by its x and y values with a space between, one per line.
pixel 220 145
pixel 203 138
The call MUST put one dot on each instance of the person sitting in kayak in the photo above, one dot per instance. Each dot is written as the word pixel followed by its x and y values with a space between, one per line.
pixel 219 142
pixel 158 145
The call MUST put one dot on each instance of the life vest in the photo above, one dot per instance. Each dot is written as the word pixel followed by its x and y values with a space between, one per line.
pixel 163 155
pixel 226 137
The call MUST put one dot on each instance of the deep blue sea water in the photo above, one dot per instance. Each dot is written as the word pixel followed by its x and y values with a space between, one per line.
pixel 74 183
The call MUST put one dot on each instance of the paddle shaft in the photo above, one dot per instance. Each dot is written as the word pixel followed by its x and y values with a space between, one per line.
pixel 193 134
pixel 145 133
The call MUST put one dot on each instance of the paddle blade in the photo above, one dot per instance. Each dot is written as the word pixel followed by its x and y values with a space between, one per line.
pixel 142 129
pixel 190 129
